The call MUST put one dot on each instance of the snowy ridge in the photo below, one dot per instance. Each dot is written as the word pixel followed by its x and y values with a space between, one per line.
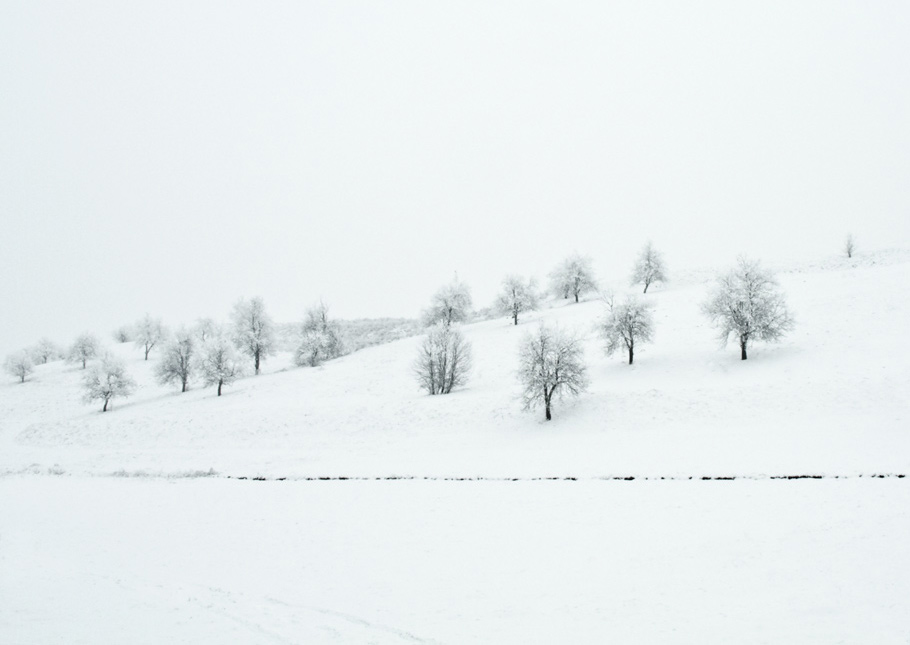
pixel 830 399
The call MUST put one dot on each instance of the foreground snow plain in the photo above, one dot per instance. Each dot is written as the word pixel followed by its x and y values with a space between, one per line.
pixel 109 534
pixel 103 560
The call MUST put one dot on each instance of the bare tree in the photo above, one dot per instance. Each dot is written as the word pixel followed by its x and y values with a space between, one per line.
pixel 443 359
pixel 747 304
pixel 206 328
pixel 46 350
pixel 218 362
pixel 19 365
pixel 849 245
pixel 177 360
pixel 650 267
pixel 450 304
pixel 123 334
pixel 254 331
pixel 574 277
pixel 149 333
pixel 551 366
pixel 517 296
pixel 626 325
pixel 107 380
pixel 320 338
pixel 84 349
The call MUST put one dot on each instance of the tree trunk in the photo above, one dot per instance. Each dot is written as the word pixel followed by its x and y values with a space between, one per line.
pixel 515 318
pixel 631 353
pixel 742 347
pixel 219 387
pixel 183 389
pixel 104 409
pixel 257 361
pixel 147 350
pixel 646 288
pixel 83 362
pixel 576 296
pixel 548 411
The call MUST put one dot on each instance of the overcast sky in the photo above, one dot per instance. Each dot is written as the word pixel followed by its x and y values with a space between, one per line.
pixel 170 157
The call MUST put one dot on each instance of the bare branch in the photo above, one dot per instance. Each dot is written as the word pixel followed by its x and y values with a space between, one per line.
pixel 748 305
pixel 551 365
pixel 443 359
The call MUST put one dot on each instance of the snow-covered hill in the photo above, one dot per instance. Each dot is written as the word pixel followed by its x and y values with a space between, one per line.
pixel 832 398
pixel 125 527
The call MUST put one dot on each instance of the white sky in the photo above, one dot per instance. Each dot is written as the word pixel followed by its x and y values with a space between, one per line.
pixel 173 156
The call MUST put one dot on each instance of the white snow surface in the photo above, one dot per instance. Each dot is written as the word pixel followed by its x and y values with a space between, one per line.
pixel 833 398
pixel 126 526
pixel 105 560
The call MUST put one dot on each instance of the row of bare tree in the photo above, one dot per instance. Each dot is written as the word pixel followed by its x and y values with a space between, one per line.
pixel 217 354
pixel 746 304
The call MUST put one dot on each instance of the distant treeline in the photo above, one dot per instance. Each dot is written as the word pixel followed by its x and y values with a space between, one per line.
pixel 356 334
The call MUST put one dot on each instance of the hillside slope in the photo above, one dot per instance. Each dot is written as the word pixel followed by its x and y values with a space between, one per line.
pixel 832 398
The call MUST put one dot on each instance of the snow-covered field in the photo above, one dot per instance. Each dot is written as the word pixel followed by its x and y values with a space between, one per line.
pixel 108 534
pixel 103 560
